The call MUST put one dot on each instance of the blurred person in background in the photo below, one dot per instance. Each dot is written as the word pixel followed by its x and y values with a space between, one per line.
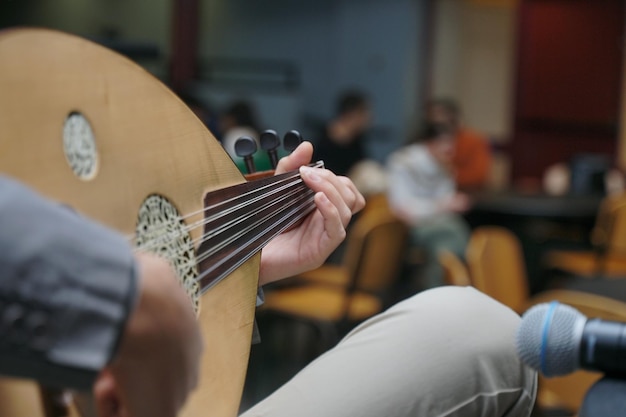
pixel 422 192
pixel 340 145
pixel 340 142
pixel 472 156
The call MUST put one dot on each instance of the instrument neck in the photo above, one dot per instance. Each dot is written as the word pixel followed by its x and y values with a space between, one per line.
pixel 242 219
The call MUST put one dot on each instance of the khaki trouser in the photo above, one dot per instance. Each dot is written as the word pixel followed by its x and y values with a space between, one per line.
pixel 448 351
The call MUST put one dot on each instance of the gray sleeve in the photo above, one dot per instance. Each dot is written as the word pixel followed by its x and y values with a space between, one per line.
pixel 67 285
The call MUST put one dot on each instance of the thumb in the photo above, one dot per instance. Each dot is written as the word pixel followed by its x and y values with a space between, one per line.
pixel 300 156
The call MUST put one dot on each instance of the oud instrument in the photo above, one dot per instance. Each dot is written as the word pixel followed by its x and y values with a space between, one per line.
pixel 92 130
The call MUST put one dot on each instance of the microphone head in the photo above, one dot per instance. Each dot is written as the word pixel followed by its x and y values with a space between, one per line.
pixel 548 338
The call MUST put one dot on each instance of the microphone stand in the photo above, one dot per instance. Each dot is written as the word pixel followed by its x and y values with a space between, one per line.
pixel 605 398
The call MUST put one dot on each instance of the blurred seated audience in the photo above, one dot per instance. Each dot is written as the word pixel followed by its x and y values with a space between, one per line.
pixel 340 142
pixel 423 193
pixel 472 157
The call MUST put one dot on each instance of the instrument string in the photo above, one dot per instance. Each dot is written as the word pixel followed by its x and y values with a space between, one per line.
pixel 273 197
pixel 261 216
pixel 284 181
pixel 239 201
pixel 257 216
pixel 254 237
pixel 278 215
pixel 242 253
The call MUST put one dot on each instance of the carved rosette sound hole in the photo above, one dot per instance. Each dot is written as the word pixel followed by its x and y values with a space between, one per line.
pixel 161 230
pixel 79 145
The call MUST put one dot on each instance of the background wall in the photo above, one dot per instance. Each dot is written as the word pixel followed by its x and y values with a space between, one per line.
pixel 373 45
pixel 473 61
pixel 145 22
pixel 475 54
pixel 76 16
pixel 569 66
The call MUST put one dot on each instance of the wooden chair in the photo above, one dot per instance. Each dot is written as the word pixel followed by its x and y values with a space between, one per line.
pixel 20 397
pixel 333 295
pixel 608 238
pixel 568 392
pixel 496 264
pixel 454 270
pixel 16 398
pixel 377 207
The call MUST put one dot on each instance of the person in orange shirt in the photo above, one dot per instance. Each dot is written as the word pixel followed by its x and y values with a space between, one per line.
pixel 472 156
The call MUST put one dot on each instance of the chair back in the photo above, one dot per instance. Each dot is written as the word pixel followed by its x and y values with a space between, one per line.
pixel 454 270
pixel 496 264
pixel 609 232
pixel 375 247
pixel 569 391
pixel 356 289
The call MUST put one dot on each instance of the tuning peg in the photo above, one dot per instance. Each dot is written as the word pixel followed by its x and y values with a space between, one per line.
pixel 292 139
pixel 245 147
pixel 270 142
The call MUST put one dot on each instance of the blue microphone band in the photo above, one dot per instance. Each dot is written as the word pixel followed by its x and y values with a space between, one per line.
pixel 545 332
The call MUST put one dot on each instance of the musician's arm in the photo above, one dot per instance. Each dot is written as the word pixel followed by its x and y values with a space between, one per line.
pixel 66 287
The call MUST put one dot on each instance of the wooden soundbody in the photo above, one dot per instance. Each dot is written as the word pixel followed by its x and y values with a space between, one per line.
pixel 148 142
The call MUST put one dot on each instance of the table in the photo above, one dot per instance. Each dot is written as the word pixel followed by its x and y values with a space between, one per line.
pixel 566 207
pixel 541 222
pixel 608 287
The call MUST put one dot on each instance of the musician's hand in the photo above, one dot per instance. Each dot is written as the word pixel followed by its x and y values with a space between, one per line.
pixel 456 203
pixel 308 245
pixel 156 366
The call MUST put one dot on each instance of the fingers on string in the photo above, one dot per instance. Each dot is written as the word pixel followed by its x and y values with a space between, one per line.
pixel 300 156
pixel 355 199
pixel 333 224
pixel 322 180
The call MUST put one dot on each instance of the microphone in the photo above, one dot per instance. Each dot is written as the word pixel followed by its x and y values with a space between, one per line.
pixel 556 339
